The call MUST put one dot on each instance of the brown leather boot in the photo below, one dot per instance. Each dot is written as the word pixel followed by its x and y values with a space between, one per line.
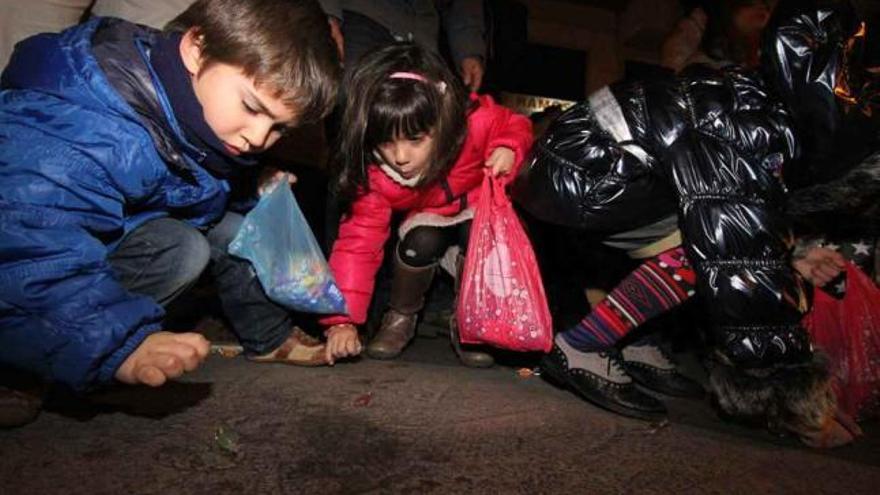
pixel 408 287
pixel 467 354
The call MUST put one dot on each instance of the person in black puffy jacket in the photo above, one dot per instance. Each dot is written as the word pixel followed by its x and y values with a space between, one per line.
pixel 687 173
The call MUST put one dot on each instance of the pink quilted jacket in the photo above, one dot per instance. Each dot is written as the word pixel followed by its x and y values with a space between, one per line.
pixel 358 251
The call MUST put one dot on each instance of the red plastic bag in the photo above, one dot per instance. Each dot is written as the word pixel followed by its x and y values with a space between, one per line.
pixel 848 330
pixel 501 301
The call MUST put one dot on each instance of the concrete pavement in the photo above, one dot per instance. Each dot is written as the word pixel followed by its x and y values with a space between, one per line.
pixel 420 424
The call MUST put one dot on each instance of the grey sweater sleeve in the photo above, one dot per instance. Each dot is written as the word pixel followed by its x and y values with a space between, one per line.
pixel 332 7
pixel 465 28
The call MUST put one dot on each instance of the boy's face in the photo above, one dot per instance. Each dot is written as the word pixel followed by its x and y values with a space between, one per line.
pixel 247 118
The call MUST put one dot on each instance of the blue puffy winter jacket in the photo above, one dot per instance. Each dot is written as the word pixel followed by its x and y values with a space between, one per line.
pixel 89 150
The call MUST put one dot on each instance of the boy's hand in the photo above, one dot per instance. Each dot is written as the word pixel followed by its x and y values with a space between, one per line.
pixel 501 160
pixel 161 356
pixel 820 265
pixel 271 177
pixel 342 341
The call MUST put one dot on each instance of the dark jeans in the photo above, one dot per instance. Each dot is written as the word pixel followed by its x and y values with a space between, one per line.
pixel 164 257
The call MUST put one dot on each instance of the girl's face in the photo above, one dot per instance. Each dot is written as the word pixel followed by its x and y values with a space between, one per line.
pixel 409 156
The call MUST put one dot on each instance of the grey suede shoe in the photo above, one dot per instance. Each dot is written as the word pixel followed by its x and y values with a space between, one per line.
pixel 599 378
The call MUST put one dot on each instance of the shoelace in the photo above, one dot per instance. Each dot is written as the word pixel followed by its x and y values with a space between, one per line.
pixel 614 361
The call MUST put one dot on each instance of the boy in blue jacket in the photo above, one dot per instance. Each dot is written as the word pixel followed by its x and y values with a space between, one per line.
pixel 118 145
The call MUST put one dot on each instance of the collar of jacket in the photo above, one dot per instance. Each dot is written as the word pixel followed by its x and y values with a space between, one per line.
pixel 176 83
pixel 122 49
pixel 396 177
pixel 394 174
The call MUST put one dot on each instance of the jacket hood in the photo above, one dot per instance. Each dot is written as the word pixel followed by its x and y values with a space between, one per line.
pixel 88 64
pixel 813 56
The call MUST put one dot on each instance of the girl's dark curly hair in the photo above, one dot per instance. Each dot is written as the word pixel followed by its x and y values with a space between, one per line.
pixel 379 109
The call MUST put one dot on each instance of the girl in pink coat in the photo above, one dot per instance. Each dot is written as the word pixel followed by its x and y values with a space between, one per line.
pixel 412 143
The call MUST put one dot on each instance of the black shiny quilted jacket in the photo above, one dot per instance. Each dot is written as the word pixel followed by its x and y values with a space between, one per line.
pixel 711 146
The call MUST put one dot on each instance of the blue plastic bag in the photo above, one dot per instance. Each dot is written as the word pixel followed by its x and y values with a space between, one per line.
pixel 279 243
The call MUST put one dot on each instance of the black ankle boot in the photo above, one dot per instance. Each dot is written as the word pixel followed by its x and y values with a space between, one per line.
pixel 469 355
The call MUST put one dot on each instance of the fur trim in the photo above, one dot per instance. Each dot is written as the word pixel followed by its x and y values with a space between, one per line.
pixel 424 218
pixel 845 206
pixel 855 190
pixel 396 177
pixel 394 174
pixel 792 397
pixel 421 219
pixel 449 261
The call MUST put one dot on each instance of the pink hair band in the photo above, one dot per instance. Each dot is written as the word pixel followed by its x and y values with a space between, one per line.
pixel 408 75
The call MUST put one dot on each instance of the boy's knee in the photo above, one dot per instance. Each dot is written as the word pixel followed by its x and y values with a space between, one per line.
pixel 193 254
pixel 225 231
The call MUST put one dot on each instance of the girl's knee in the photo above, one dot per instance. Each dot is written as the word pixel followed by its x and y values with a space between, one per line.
pixel 422 246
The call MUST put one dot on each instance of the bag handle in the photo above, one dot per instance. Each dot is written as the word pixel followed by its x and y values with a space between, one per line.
pixel 495 188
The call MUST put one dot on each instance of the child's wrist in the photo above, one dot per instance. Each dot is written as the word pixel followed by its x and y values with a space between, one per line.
pixel 339 327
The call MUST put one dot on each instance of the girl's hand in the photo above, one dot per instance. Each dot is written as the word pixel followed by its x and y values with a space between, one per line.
pixel 820 265
pixel 270 178
pixel 501 160
pixel 342 341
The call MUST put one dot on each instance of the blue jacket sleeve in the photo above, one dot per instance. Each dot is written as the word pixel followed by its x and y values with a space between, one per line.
pixel 64 315
pixel 62 312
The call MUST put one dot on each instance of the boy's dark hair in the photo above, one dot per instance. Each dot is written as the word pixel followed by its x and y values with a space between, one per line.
pixel 379 108
pixel 283 44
